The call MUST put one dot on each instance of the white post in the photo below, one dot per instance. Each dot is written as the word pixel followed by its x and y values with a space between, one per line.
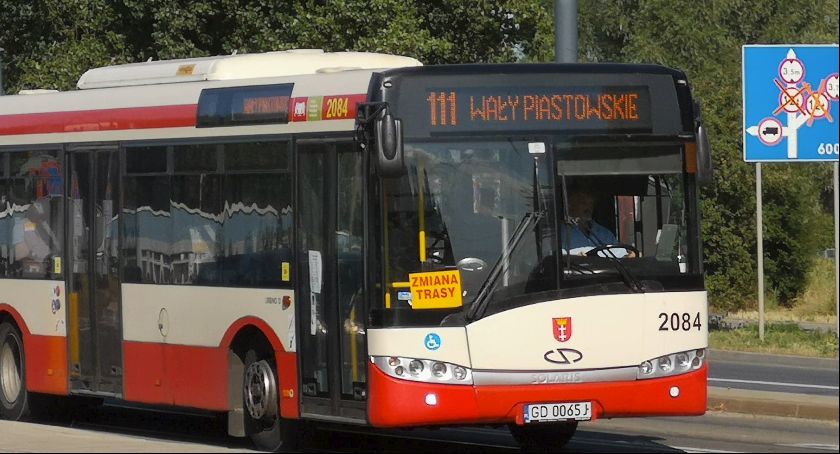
pixel 837 245
pixel 760 232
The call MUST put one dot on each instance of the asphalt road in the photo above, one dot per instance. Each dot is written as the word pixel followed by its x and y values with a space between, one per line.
pixel 111 429
pixel 774 373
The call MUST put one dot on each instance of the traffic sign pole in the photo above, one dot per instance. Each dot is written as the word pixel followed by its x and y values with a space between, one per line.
pixel 837 245
pixel 759 222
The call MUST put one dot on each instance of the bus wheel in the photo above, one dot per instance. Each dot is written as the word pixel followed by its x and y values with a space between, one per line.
pixel 14 399
pixel 543 437
pixel 263 423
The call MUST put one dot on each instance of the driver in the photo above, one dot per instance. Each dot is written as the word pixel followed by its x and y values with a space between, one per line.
pixel 586 233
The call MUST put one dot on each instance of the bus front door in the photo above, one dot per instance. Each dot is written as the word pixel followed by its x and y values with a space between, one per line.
pixel 331 336
pixel 94 322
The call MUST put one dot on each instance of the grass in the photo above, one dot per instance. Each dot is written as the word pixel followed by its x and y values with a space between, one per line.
pixel 784 315
pixel 779 338
pixel 782 335
pixel 818 297
pixel 816 304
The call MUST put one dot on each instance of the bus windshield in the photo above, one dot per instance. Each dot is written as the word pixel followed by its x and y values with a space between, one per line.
pixel 523 221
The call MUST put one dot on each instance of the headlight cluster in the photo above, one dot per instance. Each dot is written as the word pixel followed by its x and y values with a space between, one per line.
pixel 673 364
pixel 423 370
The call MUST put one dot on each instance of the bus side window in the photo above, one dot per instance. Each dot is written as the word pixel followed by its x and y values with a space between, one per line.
pixel 31 190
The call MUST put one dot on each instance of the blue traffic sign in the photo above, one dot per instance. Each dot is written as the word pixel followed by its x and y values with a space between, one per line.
pixel 790 103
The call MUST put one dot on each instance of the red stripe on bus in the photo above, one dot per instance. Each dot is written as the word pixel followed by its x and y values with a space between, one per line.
pixel 179 375
pixel 288 375
pixel 197 377
pixel 46 364
pixel 144 377
pixel 99 120
pixel 45 358
pixel 461 404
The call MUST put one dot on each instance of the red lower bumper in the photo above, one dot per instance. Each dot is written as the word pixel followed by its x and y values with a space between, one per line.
pixel 401 403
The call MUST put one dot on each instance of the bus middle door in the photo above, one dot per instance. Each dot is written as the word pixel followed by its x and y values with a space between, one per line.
pixel 95 324
pixel 332 348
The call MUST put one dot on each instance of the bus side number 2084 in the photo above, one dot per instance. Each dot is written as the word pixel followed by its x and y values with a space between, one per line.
pixel 337 108
pixel 677 321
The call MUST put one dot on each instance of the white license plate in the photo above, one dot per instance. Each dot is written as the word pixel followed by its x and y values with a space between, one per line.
pixel 561 411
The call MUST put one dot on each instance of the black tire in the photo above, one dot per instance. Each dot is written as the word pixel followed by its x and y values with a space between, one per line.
pixel 546 437
pixel 14 399
pixel 269 432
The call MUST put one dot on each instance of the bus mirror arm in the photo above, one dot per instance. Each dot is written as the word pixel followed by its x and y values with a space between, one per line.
pixel 389 146
pixel 705 167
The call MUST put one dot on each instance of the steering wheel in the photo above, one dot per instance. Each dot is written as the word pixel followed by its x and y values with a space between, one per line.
pixel 628 247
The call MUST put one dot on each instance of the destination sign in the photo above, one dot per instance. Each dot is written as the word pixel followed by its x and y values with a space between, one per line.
pixel 250 105
pixel 620 109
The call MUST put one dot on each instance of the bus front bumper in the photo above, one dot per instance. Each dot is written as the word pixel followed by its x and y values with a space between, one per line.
pixel 401 403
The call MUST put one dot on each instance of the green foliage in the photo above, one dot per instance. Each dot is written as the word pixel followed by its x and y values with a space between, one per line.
pixel 818 299
pixel 50 43
pixel 704 39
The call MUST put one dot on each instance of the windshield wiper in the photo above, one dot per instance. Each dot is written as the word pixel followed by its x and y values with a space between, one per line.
pixel 479 304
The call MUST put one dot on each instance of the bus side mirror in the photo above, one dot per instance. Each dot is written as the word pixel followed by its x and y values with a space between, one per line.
pixel 389 146
pixel 705 168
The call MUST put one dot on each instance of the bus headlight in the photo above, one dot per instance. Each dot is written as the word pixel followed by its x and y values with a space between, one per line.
pixel 415 367
pixel 459 373
pixel 673 364
pixel 423 370
pixel 682 361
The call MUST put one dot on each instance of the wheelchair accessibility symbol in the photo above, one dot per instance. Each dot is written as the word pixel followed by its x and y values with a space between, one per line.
pixel 432 341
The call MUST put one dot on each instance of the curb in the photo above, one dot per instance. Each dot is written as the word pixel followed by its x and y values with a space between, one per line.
pixel 768 403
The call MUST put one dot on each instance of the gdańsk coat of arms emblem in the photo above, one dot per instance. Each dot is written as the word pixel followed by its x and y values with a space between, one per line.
pixel 562 328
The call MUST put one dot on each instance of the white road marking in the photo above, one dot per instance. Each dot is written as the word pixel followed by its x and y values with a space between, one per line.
pixel 687 449
pixel 774 383
pixel 813 446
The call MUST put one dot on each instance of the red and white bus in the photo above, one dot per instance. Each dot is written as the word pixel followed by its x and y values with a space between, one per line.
pixel 356 238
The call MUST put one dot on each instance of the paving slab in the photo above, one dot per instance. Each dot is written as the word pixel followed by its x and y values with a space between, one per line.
pixel 28 437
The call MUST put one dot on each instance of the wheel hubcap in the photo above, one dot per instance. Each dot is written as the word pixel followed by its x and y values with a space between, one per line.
pixel 10 382
pixel 260 391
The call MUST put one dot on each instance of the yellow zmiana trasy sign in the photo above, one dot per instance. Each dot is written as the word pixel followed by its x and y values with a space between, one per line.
pixel 436 290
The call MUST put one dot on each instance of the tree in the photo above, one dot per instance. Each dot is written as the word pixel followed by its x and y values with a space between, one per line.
pixel 704 39
pixel 52 42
